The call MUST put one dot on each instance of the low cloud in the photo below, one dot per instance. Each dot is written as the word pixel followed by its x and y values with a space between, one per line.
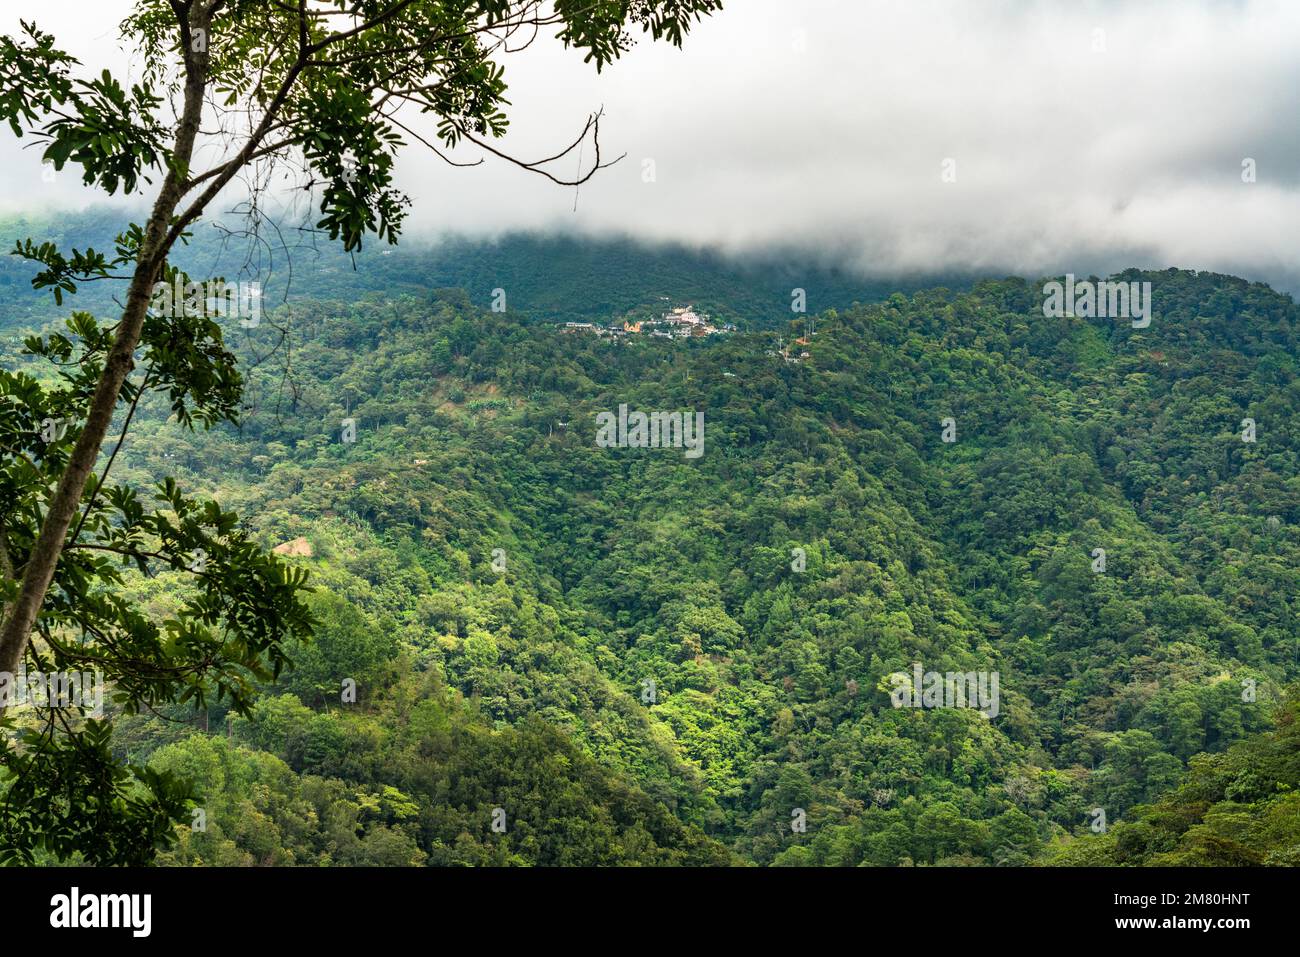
pixel 1084 137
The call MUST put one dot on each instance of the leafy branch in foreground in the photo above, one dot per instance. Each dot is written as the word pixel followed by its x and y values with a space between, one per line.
pixel 318 85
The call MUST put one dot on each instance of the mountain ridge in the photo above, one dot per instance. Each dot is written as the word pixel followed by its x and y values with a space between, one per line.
pixel 634 572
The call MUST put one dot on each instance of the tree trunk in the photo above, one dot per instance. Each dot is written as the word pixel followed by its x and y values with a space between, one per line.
pixel 39 569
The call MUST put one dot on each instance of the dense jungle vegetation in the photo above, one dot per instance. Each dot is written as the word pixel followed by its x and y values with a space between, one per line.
pixel 620 648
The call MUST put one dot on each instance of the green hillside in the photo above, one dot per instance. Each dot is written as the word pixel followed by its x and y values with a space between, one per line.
pixel 641 656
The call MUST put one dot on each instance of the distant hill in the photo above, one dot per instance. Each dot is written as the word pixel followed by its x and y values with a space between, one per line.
pixel 717 634
pixel 545 277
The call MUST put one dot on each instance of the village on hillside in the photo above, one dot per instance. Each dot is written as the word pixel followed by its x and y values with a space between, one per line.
pixel 681 322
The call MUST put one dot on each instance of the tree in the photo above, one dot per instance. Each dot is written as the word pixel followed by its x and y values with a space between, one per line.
pixel 345 645
pixel 327 87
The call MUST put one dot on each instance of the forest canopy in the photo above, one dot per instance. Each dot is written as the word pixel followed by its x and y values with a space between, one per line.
pixel 623 655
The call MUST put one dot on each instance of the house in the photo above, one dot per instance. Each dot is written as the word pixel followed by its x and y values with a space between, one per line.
pixel 585 327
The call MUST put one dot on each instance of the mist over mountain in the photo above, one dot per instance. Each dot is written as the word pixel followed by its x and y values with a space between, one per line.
pixel 1008 138
pixel 601 278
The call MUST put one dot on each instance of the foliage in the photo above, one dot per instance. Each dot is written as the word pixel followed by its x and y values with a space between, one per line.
pixel 314 84
pixel 624 565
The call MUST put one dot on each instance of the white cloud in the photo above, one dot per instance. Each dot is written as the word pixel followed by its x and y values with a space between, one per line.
pixel 824 124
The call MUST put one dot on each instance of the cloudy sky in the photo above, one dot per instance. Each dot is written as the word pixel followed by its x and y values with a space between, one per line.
pixel 1084 136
